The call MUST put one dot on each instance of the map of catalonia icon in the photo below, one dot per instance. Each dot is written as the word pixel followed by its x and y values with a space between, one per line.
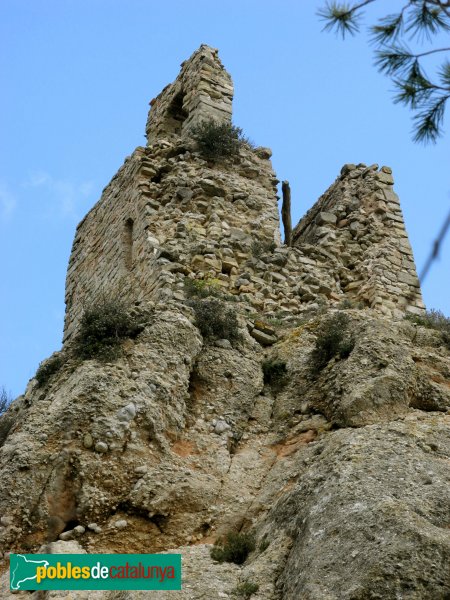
pixel 24 570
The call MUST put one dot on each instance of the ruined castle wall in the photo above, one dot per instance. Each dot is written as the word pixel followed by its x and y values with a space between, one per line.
pixel 203 90
pixel 169 215
pixel 189 218
pixel 359 221
pixel 110 253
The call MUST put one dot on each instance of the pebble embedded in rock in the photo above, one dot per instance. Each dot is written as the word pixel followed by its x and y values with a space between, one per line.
pixel 121 524
pixel 79 529
pixel 127 413
pixel 225 344
pixel 101 447
pixel 221 427
pixel 88 442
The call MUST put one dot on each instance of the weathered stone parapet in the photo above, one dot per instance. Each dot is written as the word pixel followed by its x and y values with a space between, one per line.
pixel 359 221
pixel 203 90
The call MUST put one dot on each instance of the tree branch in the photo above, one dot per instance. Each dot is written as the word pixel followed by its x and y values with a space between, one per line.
pixel 430 52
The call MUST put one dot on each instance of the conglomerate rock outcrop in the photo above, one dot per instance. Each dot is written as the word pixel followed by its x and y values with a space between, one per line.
pixel 341 473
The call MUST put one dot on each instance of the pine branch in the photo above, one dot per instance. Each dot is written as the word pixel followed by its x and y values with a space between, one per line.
pixel 413 93
pixel 418 20
pixel 428 123
pixel 444 74
pixel 424 22
pixel 394 59
pixel 342 17
pixel 391 60
pixel 388 29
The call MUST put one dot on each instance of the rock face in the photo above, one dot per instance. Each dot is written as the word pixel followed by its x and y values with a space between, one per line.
pixel 341 472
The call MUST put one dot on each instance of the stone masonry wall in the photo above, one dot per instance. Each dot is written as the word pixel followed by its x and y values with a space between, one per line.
pixel 169 215
pixel 203 90
pixel 110 253
pixel 360 223
pixel 189 218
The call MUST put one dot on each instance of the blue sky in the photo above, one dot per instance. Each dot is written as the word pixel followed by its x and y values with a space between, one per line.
pixel 77 78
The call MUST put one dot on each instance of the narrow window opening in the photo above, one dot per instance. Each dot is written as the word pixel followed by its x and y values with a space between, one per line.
pixel 128 243
pixel 176 114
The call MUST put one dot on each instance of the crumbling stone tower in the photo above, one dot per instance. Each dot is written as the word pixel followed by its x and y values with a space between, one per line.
pixel 168 214
pixel 203 90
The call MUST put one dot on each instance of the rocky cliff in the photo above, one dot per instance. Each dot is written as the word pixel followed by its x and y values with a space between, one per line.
pixel 268 390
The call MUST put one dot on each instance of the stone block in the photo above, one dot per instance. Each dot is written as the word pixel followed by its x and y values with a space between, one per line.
pixel 263 338
pixel 347 168
pixel 385 178
pixel 326 218
pixel 408 279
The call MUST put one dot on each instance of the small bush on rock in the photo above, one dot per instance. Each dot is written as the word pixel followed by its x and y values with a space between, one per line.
pixel 235 548
pixel 264 544
pixel 434 319
pixel 103 327
pixel 332 340
pixel 260 247
pixel 48 368
pixel 201 288
pixel 215 320
pixel 217 141
pixel 245 590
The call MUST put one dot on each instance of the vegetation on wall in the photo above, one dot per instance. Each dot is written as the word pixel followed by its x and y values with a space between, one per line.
pixel 103 327
pixel 245 590
pixel 48 368
pixel 333 339
pixel 234 548
pixel 215 320
pixel 5 400
pixel 218 141
pixel 201 288
pixel 6 420
pixel 434 319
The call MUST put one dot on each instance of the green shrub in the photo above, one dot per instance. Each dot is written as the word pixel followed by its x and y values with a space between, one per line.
pixel 274 371
pixel 215 320
pixel 260 247
pixel 434 319
pixel 201 288
pixel 346 303
pixel 48 368
pixel 264 544
pixel 332 340
pixel 235 548
pixel 217 141
pixel 245 590
pixel 103 327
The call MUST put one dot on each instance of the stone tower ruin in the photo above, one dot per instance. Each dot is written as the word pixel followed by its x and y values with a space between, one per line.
pixel 294 404
pixel 169 214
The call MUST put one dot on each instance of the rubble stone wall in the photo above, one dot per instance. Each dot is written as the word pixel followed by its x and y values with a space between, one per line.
pixel 203 90
pixel 169 214
pixel 359 221
pixel 110 253
pixel 189 218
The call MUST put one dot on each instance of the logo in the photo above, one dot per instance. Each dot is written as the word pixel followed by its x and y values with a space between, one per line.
pixel 95 572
